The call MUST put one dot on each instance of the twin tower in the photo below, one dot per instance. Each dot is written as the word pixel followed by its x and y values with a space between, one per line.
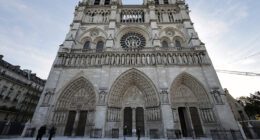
pixel 128 67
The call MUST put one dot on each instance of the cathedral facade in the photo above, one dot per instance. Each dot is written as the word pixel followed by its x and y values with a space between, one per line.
pixel 128 67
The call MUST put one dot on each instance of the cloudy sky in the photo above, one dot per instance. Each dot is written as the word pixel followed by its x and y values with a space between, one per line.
pixel 32 30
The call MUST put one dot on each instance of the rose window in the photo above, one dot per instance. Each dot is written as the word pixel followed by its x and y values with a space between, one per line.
pixel 133 41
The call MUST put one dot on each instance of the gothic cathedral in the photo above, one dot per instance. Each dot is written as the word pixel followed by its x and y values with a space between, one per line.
pixel 124 68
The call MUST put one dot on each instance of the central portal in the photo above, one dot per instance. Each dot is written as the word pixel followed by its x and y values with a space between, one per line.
pixel 130 95
pixel 133 120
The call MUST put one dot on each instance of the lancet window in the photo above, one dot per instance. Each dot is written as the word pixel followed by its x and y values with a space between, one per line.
pixel 97 2
pixel 86 45
pixel 132 16
pixel 167 15
pixel 107 2
pixel 177 43
pixel 97 16
pixel 166 2
pixel 100 46
pixel 165 44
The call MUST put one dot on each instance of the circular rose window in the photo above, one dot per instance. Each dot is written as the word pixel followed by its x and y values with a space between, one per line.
pixel 132 40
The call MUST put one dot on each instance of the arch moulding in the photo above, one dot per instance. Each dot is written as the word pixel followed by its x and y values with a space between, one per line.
pixel 128 79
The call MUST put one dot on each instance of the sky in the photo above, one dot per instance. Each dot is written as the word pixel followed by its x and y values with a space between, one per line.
pixel 32 30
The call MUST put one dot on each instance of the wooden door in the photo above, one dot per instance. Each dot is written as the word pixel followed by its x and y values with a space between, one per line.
pixel 128 121
pixel 82 123
pixel 70 123
pixel 196 122
pixel 140 120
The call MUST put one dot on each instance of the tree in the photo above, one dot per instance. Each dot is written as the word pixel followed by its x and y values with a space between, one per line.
pixel 251 104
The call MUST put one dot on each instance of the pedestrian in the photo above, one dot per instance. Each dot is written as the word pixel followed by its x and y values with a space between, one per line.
pixel 125 131
pixel 52 132
pixel 138 133
pixel 41 132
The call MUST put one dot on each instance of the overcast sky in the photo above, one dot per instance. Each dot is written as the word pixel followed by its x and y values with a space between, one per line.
pixel 32 30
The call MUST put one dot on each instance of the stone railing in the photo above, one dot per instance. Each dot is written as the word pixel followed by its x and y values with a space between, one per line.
pixel 149 57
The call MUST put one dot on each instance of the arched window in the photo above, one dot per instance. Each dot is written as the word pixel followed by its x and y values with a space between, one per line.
pixel 100 46
pixel 177 43
pixel 165 44
pixel 87 45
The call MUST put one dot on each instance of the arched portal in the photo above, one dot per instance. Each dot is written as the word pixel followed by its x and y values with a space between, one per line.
pixel 132 98
pixel 188 98
pixel 129 79
pixel 74 110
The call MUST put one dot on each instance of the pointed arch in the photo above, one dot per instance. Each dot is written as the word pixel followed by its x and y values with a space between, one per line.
pixel 133 77
pixel 187 89
pixel 79 92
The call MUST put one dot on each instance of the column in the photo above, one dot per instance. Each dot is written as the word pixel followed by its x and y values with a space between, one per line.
pixel 76 122
pixel 190 123
pixel 133 120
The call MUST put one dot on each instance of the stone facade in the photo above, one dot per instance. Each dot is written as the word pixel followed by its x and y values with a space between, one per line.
pixel 128 67
pixel 20 91
pixel 237 109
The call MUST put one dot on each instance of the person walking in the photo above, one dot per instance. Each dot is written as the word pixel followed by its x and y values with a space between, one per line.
pixel 52 132
pixel 125 131
pixel 41 132
pixel 138 133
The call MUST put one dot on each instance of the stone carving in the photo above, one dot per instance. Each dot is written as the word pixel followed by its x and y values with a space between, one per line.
pixel 113 114
pixel 94 33
pixel 102 97
pixel 133 59
pixel 188 90
pixel 168 15
pixel 208 115
pixel 153 114
pixel 170 33
pixel 164 97
pixel 134 78
pixel 91 117
pixel 175 115
pixel 47 96
pixel 217 96
pixel 97 16
pixel 79 95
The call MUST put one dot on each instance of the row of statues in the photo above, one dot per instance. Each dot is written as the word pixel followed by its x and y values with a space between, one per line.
pixel 208 116
pixel 113 114
pixel 153 114
pixel 81 60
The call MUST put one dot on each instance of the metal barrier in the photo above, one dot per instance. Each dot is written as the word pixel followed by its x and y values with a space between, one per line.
pixel 154 134
pixel 173 134
pixel 96 133
pixel 115 133
pixel 226 135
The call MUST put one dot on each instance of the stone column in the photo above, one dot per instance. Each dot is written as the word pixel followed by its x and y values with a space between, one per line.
pixel 133 120
pixel 76 122
pixel 189 122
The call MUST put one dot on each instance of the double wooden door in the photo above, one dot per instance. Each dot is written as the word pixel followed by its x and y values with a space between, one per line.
pixel 81 124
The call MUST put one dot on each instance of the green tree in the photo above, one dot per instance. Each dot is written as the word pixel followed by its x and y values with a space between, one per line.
pixel 251 104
